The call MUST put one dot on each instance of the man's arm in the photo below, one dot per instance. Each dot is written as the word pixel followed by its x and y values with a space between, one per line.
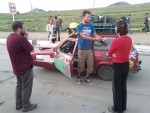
pixel 47 27
pixel 96 37
pixel 26 35
pixel 26 45
pixel 99 38
pixel 87 37
pixel 81 33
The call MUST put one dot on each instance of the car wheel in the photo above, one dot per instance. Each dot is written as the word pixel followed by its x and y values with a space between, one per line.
pixel 105 72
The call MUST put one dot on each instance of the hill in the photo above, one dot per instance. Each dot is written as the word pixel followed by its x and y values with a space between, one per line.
pixel 36 10
pixel 38 21
pixel 119 4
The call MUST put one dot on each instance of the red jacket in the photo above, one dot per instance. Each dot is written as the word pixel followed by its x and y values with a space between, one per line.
pixel 121 48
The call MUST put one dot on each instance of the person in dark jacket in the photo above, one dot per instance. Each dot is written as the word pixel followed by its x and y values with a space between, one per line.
pixel 146 28
pixel 57 28
pixel 120 50
pixel 129 23
pixel 19 50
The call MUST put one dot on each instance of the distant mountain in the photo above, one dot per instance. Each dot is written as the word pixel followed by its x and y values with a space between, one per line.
pixel 119 4
pixel 36 10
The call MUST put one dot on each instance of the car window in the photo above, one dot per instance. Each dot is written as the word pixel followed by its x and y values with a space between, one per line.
pixel 68 47
pixel 102 45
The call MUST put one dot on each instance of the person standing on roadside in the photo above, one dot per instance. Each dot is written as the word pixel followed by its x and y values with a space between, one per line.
pixel 19 50
pixel 50 28
pixel 86 34
pixel 50 19
pixel 57 28
pixel 146 28
pixel 120 51
pixel 129 23
pixel 60 22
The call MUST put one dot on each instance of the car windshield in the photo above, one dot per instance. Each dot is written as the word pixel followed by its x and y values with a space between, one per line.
pixel 102 45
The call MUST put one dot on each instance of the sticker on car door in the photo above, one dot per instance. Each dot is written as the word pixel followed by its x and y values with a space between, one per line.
pixel 44 58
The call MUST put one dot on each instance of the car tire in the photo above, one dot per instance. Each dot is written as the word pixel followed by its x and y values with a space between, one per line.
pixel 105 72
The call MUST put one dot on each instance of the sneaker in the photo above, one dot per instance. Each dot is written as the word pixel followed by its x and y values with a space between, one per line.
pixel 78 81
pixel 111 109
pixel 18 107
pixel 88 81
pixel 32 107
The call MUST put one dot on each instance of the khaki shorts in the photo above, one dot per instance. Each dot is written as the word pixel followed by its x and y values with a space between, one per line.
pixel 85 56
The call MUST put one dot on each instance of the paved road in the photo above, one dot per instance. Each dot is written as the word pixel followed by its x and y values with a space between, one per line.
pixel 54 93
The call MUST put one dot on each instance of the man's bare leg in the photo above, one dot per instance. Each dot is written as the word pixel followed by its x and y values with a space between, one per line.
pixel 79 78
pixel 87 77
pixel 87 74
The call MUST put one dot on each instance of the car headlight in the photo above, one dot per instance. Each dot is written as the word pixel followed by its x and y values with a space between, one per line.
pixel 131 63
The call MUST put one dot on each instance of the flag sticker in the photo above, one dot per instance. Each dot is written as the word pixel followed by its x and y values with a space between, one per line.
pixel 133 54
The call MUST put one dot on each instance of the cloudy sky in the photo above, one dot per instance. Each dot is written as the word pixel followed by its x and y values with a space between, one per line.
pixel 25 5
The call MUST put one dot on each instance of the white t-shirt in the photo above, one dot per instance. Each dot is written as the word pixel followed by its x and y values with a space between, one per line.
pixel 50 27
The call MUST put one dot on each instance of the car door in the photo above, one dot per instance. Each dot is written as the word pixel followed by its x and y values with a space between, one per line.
pixel 64 56
pixel 101 53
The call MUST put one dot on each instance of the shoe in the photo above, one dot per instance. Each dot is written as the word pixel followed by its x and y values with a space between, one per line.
pixel 18 107
pixel 79 81
pixel 32 107
pixel 88 81
pixel 111 109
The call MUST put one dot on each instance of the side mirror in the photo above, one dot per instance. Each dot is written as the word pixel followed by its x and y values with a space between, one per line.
pixel 55 50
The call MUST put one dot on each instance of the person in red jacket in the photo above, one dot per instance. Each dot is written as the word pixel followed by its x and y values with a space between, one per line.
pixel 120 50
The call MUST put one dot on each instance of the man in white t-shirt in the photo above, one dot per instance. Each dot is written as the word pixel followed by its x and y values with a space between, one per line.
pixel 50 29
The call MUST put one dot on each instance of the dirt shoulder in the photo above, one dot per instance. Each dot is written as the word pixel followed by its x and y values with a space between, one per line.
pixel 138 38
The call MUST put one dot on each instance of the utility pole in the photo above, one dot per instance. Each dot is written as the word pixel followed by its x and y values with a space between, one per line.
pixel 31 7
pixel 134 4
pixel 93 6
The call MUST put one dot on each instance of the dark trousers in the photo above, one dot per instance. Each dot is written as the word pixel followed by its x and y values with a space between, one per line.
pixel 146 28
pixel 121 71
pixel 129 31
pixel 24 89
pixel 58 33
